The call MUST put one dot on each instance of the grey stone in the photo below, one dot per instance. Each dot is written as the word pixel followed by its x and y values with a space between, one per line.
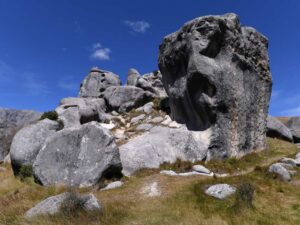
pixel 132 77
pixel 53 204
pixel 216 74
pixel 278 169
pixel 137 118
pixel 96 83
pixel 125 98
pixel 148 108
pixel 78 156
pixel 7 159
pixel 294 125
pixel 113 185
pixel 201 169
pixel 157 119
pixel 144 127
pixel 28 142
pixel 163 145
pixel 10 122
pixel 290 161
pixel 185 174
pixel 277 129
pixel 220 191
pixel 76 111
pixel 298 155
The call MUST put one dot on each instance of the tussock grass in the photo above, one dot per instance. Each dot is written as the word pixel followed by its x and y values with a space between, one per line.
pixel 260 199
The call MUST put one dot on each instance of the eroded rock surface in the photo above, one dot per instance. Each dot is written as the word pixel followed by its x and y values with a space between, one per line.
pixel 294 125
pixel 277 129
pixel 216 74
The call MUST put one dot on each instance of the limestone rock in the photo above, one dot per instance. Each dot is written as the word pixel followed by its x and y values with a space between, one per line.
pixel 278 169
pixel 53 205
pixel 277 129
pixel 28 142
pixel 78 156
pixel 157 119
pixel 144 127
pixel 11 121
pixel 201 169
pixel 220 191
pixel 216 74
pixel 151 190
pixel 163 145
pixel 294 125
pixel 132 77
pixel 137 119
pixel 113 185
pixel 96 83
pixel 125 98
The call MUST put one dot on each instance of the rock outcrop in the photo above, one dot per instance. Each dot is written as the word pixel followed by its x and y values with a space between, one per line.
pixel 96 83
pixel 277 129
pixel 28 142
pixel 216 74
pixel 10 122
pixel 163 145
pixel 294 126
pixel 77 156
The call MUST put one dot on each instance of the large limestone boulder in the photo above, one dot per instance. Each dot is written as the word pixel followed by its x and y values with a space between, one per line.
pixel 294 125
pixel 216 74
pixel 57 203
pixel 11 121
pixel 163 145
pixel 125 98
pixel 277 129
pixel 76 111
pixel 77 156
pixel 96 82
pixel 28 142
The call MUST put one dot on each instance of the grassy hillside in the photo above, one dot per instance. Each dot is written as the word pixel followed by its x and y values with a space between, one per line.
pixel 182 201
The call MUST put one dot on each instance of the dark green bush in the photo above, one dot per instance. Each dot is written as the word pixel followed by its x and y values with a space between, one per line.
pixel 244 196
pixel 72 204
pixel 25 171
pixel 51 115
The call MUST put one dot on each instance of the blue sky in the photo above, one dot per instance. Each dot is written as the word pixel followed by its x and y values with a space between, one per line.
pixel 48 47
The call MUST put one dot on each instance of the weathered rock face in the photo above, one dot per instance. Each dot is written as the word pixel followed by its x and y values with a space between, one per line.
pixel 132 78
pixel 96 82
pixel 277 129
pixel 10 122
pixel 163 145
pixel 294 125
pixel 76 111
pixel 216 74
pixel 125 98
pixel 77 156
pixel 28 142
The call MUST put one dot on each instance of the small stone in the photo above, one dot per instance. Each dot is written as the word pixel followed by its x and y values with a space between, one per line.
pixel 174 124
pixel 113 185
pixel 168 172
pixel 128 125
pixel 278 169
pixel 114 113
pixel 108 126
pixel 289 161
pixel 120 134
pixel 139 109
pixel 148 108
pixel 201 169
pixel 298 155
pixel 157 119
pixel 220 191
pixel 167 120
pixel 137 118
pixel 144 127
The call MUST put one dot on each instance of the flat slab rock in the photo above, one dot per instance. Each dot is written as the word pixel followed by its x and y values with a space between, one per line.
pixel 220 191
pixel 280 170
pixel 163 145
pixel 277 129
pixel 52 205
pixel 77 156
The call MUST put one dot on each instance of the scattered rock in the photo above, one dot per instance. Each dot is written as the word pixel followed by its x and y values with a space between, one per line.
pixel 185 174
pixel 125 98
pixel 113 185
pixel 167 120
pixel 158 119
pixel 174 124
pixel 294 125
pixel 277 129
pixel 290 161
pixel 28 142
pixel 168 172
pixel 220 191
pixel 151 190
pixel 148 108
pixel 53 205
pixel 201 169
pixel 108 126
pixel 120 134
pixel 78 156
pixel 197 63
pixel 144 127
pixel 137 119
pixel 163 145
pixel 278 169
pixel 96 82
pixel 298 155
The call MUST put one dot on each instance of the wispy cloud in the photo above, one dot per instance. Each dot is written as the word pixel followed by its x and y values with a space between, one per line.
pixel 100 53
pixel 137 26
pixel 292 112
pixel 68 84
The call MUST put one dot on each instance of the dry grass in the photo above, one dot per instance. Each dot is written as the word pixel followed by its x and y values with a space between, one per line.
pixel 182 202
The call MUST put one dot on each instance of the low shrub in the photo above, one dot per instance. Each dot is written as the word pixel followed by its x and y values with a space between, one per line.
pixel 51 115
pixel 244 196
pixel 25 172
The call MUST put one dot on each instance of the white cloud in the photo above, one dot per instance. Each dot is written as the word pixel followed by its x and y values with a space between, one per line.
pixel 137 26
pixel 292 112
pixel 100 52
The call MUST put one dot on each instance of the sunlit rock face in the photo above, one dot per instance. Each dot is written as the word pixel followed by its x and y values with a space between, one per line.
pixel 216 74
